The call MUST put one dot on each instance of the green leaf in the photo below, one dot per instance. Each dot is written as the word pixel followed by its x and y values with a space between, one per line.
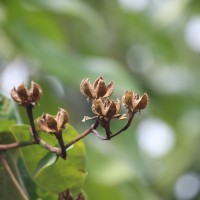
pixel 48 160
pixel 48 172
pixel 5 126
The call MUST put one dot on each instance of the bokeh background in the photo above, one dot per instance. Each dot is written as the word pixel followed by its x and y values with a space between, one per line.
pixel 148 46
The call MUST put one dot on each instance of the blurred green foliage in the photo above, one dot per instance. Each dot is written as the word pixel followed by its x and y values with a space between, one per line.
pixel 63 41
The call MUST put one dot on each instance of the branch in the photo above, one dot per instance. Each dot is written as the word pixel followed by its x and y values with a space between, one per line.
pixel 131 115
pixel 47 146
pixel 16 145
pixel 50 148
pixel 98 135
pixel 29 111
pixel 62 145
pixel 82 135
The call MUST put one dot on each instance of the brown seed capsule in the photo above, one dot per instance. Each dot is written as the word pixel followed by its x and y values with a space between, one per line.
pixel 127 99
pixel 25 97
pixel 97 90
pixel 47 123
pixel 62 118
pixel 80 196
pixel 106 107
pixel 134 102
pixel 35 92
pixel 99 87
pixel 53 124
pixel 86 88
pixel 141 103
pixel 66 195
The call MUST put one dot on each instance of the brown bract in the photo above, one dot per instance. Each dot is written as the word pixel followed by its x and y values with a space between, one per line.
pixel 25 97
pixel 98 89
pixel 106 107
pixel 134 102
pixel 53 124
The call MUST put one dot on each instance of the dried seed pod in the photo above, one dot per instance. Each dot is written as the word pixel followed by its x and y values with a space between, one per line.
pixel 53 124
pixel 35 92
pixel 62 118
pixel 134 102
pixel 106 107
pixel 86 88
pixel 98 89
pixel 25 97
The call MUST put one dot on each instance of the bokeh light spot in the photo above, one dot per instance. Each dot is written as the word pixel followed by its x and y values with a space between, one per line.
pixel 169 79
pixel 192 33
pixel 187 186
pixel 133 5
pixel 14 74
pixel 155 137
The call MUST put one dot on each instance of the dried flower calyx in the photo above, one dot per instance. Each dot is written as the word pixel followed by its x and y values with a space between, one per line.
pixel 25 97
pixel 134 102
pixel 98 89
pixel 66 195
pixel 53 124
pixel 106 107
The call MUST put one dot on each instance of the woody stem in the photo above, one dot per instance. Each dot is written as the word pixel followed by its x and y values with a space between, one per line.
pixel 29 111
pixel 16 145
pixel 83 134
pixel 61 143
pixel 131 115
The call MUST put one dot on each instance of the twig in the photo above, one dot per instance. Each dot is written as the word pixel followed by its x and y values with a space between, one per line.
pixel 56 150
pixel 61 143
pixel 14 180
pixel 82 135
pixel 29 111
pixel 98 135
pixel 50 148
pixel 131 115
pixel 16 145
pixel 47 146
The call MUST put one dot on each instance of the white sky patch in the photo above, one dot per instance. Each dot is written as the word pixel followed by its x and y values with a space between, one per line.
pixel 14 74
pixel 192 33
pixel 155 137
pixel 165 12
pixel 134 5
pixel 187 186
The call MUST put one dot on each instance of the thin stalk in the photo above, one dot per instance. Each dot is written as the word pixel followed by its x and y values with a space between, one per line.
pixel 16 145
pixel 29 111
pixel 61 143
pixel 14 180
pixel 98 135
pixel 82 135
pixel 50 148
pixel 131 115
